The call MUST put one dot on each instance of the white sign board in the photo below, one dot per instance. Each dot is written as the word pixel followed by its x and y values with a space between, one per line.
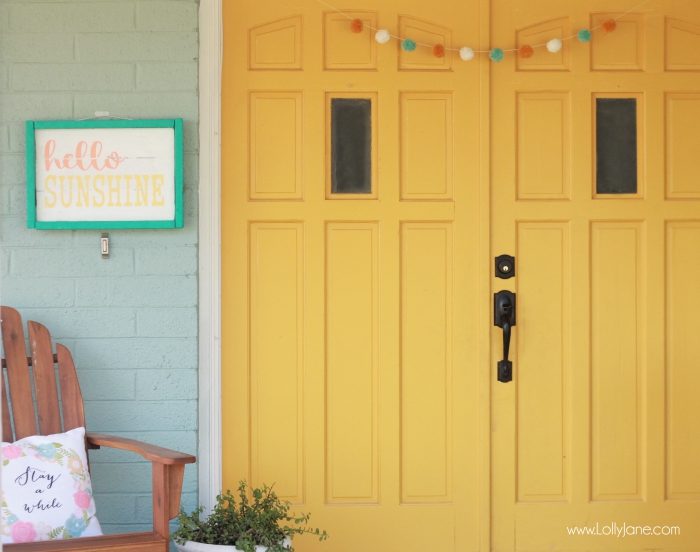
pixel 108 177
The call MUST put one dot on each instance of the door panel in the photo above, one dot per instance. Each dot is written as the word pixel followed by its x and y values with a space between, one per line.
pixel 426 324
pixel 617 360
pixel 349 353
pixel 544 165
pixel 683 300
pixel 544 274
pixel 595 427
pixel 352 362
pixel 275 130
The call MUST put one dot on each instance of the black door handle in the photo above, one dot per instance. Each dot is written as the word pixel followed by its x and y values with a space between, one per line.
pixel 504 317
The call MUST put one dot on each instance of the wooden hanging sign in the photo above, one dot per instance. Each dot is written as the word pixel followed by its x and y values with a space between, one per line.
pixel 105 174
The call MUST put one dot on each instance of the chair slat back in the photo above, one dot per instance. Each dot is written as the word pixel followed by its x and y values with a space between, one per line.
pixel 19 407
pixel 6 423
pixel 17 375
pixel 44 379
pixel 71 397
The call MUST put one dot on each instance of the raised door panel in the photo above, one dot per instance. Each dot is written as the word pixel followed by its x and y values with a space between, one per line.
pixel 682 360
pixel 537 34
pixel 346 47
pixel 276 45
pixel 276 318
pixel 620 50
pixel 426 34
pixel 426 145
pixel 426 362
pixel 682 45
pixel 543 143
pixel 352 362
pixel 617 360
pixel 275 132
pixel 682 145
pixel 544 361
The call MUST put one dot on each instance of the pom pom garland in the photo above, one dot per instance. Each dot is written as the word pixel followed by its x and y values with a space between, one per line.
pixel 526 51
pixel 382 36
pixel 356 25
pixel 584 35
pixel 496 54
pixel 554 45
pixel 466 53
pixel 408 45
pixel 609 25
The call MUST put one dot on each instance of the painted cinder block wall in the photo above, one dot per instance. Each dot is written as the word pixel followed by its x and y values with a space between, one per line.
pixel 130 320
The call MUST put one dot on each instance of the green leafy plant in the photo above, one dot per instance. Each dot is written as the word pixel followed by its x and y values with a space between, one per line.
pixel 258 518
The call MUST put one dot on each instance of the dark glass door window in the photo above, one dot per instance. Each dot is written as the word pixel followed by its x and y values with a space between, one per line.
pixel 616 145
pixel 351 146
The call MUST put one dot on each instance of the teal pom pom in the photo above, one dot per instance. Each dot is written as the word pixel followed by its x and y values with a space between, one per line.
pixel 584 35
pixel 496 55
pixel 408 45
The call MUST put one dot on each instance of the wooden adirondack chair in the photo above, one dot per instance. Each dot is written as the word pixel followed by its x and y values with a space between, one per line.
pixel 168 465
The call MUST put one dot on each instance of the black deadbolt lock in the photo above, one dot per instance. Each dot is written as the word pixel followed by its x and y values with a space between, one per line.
pixel 505 266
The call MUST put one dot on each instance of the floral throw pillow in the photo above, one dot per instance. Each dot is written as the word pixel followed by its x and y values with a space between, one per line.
pixel 46 490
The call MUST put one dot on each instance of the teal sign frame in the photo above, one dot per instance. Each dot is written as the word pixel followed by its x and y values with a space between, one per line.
pixel 31 159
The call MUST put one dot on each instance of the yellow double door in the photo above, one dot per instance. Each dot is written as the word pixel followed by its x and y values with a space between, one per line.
pixel 366 192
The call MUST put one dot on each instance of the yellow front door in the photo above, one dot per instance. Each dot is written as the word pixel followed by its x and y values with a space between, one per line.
pixel 366 192
pixel 350 233
pixel 595 191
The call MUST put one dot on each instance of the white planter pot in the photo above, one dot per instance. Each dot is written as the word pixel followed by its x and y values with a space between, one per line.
pixel 191 546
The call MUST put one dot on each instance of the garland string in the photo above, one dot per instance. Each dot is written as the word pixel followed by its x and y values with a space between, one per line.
pixel 553 45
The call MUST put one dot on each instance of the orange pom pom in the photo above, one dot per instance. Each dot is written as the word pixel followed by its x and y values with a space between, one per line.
pixel 356 25
pixel 526 51
pixel 439 50
pixel 609 25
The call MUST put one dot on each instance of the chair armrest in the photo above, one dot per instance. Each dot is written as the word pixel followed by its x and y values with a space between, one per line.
pixel 168 470
pixel 149 452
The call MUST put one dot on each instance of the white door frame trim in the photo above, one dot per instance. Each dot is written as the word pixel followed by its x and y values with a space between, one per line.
pixel 209 427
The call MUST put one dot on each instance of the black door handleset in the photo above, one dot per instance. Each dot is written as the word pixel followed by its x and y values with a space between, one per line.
pixel 504 313
pixel 504 318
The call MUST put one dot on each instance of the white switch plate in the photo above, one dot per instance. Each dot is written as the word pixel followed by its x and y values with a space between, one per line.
pixel 104 245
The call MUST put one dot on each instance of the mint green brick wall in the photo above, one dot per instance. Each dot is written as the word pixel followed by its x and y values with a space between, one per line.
pixel 3 76
pixel 131 320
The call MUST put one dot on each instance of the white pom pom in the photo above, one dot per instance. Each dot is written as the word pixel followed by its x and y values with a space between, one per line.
pixel 466 53
pixel 554 45
pixel 382 36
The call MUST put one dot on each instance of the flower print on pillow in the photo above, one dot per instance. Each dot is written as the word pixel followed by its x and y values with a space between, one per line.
pixel 23 531
pixel 82 499
pixel 46 489
pixel 10 452
pixel 48 450
pixel 75 526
